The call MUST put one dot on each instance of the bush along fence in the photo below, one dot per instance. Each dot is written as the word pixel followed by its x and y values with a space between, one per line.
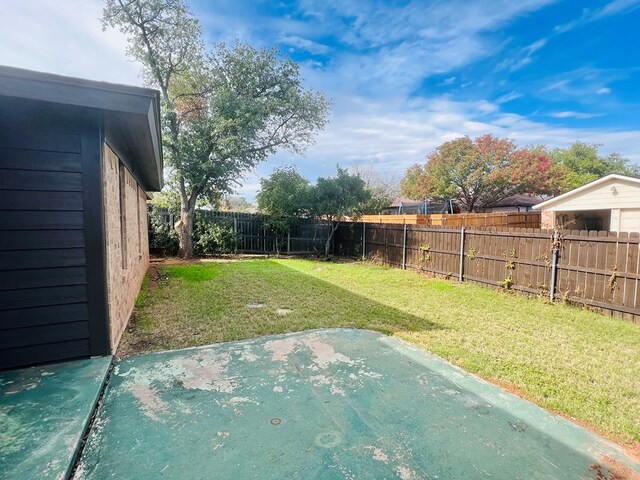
pixel 595 269
pixel 257 233
pixel 235 232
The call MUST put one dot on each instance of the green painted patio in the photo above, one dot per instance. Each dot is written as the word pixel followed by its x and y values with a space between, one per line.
pixel 327 404
pixel 44 414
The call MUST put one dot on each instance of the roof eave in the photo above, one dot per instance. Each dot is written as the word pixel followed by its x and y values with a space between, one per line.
pixel 109 97
pixel 584 187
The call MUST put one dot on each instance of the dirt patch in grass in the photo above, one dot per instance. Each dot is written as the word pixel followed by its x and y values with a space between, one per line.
pixel 611 469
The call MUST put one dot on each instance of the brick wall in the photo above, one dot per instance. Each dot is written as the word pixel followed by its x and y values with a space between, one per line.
pixel 127 245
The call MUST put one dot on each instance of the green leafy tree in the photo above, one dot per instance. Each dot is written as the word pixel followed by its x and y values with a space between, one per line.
pixel 224 109
pixel 415 183
pixel 283 196
pixel 582 163
pixel 478 173
pixel 337 198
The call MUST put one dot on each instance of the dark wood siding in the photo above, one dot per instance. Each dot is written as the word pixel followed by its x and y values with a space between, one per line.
pixel 43 260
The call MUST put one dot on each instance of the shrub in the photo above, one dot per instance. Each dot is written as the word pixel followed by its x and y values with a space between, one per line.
pixel 163 236
pixel 212 238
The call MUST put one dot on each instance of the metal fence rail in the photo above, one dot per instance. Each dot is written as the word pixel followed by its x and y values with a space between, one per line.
pixel 254 235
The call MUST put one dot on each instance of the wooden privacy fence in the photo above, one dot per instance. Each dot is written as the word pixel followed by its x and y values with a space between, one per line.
pixel 255 236
pixel 505 219
pixel 596 269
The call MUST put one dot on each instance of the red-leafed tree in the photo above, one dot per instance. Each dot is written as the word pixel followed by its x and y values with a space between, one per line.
pixel 415 183
pixel 479 173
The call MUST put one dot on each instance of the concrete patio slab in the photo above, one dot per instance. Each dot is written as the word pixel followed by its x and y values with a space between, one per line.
pixel 44 413
pixel 327 404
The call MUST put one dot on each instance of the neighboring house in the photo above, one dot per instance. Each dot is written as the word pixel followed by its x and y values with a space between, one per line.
pixel 610 203
pixel 406 206
pixel 515 203
pixel 76 160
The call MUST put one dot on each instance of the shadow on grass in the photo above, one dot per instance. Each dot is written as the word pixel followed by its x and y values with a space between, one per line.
pixel 218 301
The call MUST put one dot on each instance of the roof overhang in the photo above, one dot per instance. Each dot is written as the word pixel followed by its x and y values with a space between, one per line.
pixel 131 114
pixel 583 188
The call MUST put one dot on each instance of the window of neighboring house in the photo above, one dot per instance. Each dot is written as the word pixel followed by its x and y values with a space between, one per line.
pixel 123 213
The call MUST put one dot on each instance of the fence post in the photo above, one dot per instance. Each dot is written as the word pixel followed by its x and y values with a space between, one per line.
pixel 404 248
pixel 333 239
pixel 554 266
pixel 461 270
pixel 235 233
pixel 288 242
pixel 364 240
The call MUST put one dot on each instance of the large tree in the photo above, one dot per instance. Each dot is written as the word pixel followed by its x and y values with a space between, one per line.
pixel 224 109
pixel 478 173
pixel 582 163
pixel 337 198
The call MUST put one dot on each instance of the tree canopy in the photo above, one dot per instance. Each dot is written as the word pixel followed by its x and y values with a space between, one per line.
pixel 287 194
pixel 478 173
pixel 582 163
pixel 335 198
pixel 284 194
pixel 225 109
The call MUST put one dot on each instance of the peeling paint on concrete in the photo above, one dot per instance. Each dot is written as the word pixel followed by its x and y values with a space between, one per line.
pixel 328 404
pixel 406 473
pixel 247 355
pixel 335 390
pixel 150 403
pixel 206 371
pixel 281 349
pixel 324 353
pixel 378 454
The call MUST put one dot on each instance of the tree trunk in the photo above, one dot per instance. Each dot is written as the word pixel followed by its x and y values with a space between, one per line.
pixel 185 232
pixel 332 231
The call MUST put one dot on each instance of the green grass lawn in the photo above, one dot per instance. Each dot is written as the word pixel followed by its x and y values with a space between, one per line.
pixel 578 363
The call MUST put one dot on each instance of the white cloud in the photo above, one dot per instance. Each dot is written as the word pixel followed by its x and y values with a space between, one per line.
pixel 63 37
pixel 447 81
pixel 305 44
pixel 508 97
pixel 603 91
pixel 590 15
pixel 392 48
pixel 521 57
pixel 570 114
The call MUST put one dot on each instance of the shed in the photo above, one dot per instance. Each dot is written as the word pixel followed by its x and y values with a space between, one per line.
pixel 77 158
pixel 609 203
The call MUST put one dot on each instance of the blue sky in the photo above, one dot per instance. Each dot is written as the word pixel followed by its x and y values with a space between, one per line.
pixel 403 76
